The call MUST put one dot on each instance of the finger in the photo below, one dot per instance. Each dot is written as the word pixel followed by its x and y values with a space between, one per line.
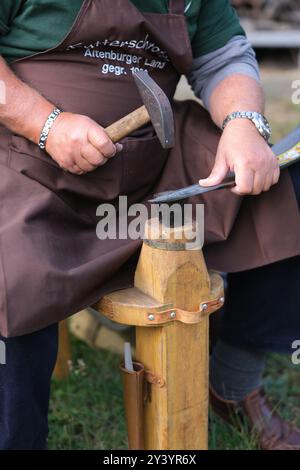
pixel 64 169
pixel 76 170
pixel 244 180
pixel 84 164
pixel 65 163
pixel 92 155
pixel 101 141
pixel 268 181
pixel 105 160
pixel 260 180
pixel 276 176
pixel 217 174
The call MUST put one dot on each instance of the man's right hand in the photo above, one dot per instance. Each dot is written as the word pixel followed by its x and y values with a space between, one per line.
pixel 78 144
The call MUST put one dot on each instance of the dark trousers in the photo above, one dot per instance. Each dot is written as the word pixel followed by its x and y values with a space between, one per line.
pixel 25 388
pixel 262 309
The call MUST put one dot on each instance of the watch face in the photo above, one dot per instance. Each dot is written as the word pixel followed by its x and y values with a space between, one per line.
pixel 263 125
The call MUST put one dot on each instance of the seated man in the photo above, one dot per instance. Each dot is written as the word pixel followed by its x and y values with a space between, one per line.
pixel 66 71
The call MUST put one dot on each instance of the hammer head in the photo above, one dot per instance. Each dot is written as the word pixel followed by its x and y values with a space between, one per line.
pixel 158 107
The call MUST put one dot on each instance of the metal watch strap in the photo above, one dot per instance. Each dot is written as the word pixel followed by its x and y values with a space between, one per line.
pixel 263 126
pixel 235 115
pixel 47 127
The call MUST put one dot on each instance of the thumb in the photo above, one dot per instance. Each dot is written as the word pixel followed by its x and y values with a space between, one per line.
pixel 217 174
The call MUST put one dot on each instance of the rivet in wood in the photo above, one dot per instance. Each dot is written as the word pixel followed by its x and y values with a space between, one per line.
pixel 173 314
pixel 222 300
pixel 151 317
pixel 204 306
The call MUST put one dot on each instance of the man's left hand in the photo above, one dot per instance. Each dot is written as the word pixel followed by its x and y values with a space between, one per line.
pixel 243 150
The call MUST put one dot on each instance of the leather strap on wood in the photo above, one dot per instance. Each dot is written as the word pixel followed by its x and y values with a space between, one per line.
pixel 154 379
pixel 176 314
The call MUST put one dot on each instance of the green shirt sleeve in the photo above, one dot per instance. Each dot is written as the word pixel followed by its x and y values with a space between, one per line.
pixel 8 11
pixel 217 24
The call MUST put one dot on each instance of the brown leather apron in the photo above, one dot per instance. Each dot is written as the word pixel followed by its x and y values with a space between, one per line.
pixel 52 263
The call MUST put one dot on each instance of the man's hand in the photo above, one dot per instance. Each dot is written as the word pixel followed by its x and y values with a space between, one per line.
pixel 243 150
pixel 78 144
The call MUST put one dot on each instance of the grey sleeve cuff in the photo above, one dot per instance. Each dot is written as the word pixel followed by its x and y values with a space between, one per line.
pixel 236 57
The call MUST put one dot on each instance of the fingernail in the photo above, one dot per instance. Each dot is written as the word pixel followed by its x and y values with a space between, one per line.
pixel 204 182
pixel 119 147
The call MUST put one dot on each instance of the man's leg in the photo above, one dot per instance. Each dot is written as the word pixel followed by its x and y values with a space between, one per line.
pixel 235 372
pixel 25 389
pixel 262 305
pixel 261 314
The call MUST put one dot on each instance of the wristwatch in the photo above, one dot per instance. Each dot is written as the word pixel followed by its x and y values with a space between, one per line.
pixel 261 123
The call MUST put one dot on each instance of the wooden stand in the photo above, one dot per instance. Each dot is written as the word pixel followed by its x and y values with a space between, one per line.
pixel 170 306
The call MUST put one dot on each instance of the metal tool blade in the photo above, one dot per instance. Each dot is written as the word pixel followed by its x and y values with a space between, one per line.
pixel 284 150
pixel 158 107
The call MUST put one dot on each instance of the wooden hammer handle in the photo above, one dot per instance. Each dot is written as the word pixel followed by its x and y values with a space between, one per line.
pixel 128 124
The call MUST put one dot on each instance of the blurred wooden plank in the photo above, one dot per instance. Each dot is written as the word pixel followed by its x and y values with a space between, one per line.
pixel 274 39
pixel 64 357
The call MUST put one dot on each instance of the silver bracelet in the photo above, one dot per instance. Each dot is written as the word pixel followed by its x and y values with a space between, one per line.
pixel 47 127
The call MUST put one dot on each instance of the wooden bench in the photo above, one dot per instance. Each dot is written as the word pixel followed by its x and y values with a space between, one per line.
pixel 275 40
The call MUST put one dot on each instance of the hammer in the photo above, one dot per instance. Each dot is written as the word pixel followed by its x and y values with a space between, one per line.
pixel 156 109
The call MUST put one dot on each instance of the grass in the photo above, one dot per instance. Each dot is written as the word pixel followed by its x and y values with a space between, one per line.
pixel 282 382
pixel 86 411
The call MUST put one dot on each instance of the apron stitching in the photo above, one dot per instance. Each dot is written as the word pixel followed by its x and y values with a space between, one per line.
pixel 77 22
pixel 4 290
pixel 177 7
pixel 9 150
pixel 184 36
pixel 70 32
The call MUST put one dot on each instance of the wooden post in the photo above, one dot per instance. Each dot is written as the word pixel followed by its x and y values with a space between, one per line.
pixel 170 306
pixel 176 415
pixel 64 357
